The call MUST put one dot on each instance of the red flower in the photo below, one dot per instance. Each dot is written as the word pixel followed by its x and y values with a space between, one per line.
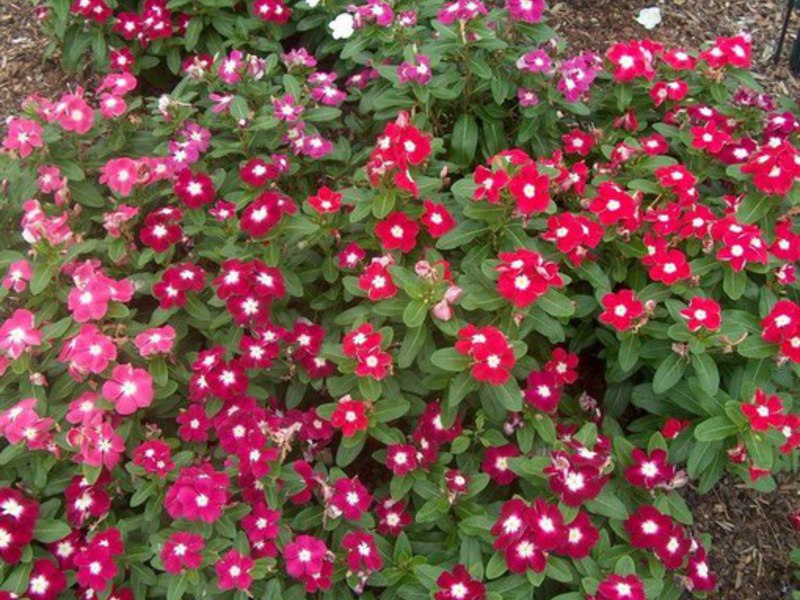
pixel 525 276
pixel 326 201
pixel 377 282
pixel 673 427
pixel 546 523
pixel 437 219
pixel 511 523
pixel 375 364
pixel 257 173
pixel 194 189
pixel 765 411
pixel 612 204
pixel 46 581
pixel 233 571
pixel 363 555
pixel 458 584
pixel 182 550
pixel 702 313
pixel 495 463
pixel 700 575
pixel 579 538
pixel 562 365
pixel 350 416
pixel 578 142
pixel 622 309
pixel 621 587
pixel 530 189
pixel 401 458
pixel 543 392
pixel 649 470
pixel 525 554
pixel 489 184
pixel 674 549
pixel 630 61
pixel 349 499
pixel 397 231
pixel 154 457
pixel 361 341
pixel 392 516
pixel 648 527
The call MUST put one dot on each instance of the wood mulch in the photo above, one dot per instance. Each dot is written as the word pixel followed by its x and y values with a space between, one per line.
pixel 24 69
pixel 595 24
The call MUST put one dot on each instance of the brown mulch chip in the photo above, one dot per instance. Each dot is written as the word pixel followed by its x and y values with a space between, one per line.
pixel 751 538
pixel 24 70
pixel 596 24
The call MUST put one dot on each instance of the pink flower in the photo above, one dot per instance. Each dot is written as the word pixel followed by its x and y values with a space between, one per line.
pixel 158 340
pixel 199 494
pixel 113 221
pixel 96 567
pixel 350 499
pixel 129 389
pixel 233 571
pixel 112 106
pixel 18 333
pixel 74 114
pixel 90 302
pixel 50 179
pixel 24 135
pixel 304 556
pixel 18 275
pixel 182 550
pixel 88 352
pixel 154 457
pixel 362 553
pixel 98 445
pixel 229 69
pixel 120 175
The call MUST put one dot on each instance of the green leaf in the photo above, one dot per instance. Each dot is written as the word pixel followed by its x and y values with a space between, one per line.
pixel 177 587
pixel 755 207
pixel 669 373
pixel 607 505
pixel 462 234
pixel 714 429
pixel 412 344
pixel 50 530
pixel 415 313
pixel 754 346
pixel 459 387
pixel 449 359
pixel 629 352
pixel 42 276
pixel 734 283
pixel 707 373
pixel 556 304
pixel 464 140
pixel 389 410
pixel 508 395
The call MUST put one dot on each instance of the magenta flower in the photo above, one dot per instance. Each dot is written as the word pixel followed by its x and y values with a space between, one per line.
pixel 304 556
pixel 199 494
pixel 129 389
pixel 233 571
pixel 182 550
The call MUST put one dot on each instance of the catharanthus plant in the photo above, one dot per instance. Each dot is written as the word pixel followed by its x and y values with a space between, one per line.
pixel 388 300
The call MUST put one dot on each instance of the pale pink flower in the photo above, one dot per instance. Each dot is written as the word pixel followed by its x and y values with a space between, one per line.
pixel 158 340
pixel 129 389
pixel 120 175
pixel 50 179
pixel 18 275
pixel 18 333
pixel 113 221
pixel 24 136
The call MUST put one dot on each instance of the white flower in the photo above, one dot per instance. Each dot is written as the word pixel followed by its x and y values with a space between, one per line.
pixel 342 26
pixel 649 17
pixel 313 3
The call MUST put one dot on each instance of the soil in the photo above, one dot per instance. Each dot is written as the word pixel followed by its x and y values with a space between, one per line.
pixel 595 24
pixel 751 538
pixel 24 69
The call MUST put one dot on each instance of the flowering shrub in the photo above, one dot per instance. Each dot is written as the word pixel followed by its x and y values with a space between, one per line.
pixel 459 328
